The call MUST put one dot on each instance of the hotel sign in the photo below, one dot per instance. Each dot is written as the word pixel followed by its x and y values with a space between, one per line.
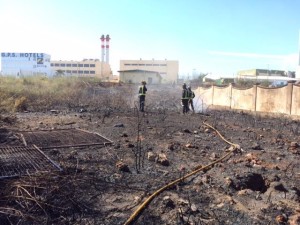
pixel 25 55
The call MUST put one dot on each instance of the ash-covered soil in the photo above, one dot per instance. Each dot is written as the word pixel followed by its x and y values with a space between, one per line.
pixel 259 183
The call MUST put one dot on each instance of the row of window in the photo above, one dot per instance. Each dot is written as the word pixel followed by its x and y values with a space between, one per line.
pixel 78 71
pixel 139 64
pixel 71 65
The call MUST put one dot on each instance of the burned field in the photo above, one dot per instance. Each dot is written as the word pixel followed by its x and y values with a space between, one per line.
pixel 257 183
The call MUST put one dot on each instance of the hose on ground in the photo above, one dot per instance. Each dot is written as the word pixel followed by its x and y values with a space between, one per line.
pixel 151 197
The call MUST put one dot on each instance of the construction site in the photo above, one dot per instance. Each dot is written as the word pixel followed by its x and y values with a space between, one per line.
pixel 108 163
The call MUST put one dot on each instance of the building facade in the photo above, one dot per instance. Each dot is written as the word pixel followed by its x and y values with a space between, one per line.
pixel 83 68
pixel 260 72
pixel 167 69
pixel 137 76
pixel 25 64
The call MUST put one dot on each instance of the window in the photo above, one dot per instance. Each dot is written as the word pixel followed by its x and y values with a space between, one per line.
pixel 68 65
pixel 74 65
pixel 92 65
pixel 52 64
pixel 56 64
pixel 68 71
pixel 92 72
pixel 155 64
pixel 74 71
pixel 80 65
pixel 86 65
pixel 62 65
pixel 163 64
pixel 86 72
pixel 80 72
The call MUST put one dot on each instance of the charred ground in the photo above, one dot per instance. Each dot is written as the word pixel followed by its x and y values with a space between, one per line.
pixel 258 184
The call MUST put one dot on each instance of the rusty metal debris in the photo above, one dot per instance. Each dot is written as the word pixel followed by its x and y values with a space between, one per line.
pixel 17 161
pixel 63 138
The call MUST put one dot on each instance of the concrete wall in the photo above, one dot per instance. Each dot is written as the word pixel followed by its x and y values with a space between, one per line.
pixel 203 97
pixel 275 100
pixel 243 98
pixel 296 100
pixel 283 100
pixel 222 96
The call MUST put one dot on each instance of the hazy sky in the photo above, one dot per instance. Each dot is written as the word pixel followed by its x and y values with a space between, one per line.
pixel 218 36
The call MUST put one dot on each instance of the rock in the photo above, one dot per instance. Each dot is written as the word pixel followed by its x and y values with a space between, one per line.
pixel 151 156
pixel 206 179
pixel 162 159
pixel 294 144
pixel 244 192
pixel 187 131
pixel 228 181
pixel 256 146
pixel 168 202
pixel 294 219
pixel 249 180
pixel 54 152
pixel 122 166
pixel 207 130
pixel 213 156
pixel 171 146
pixel 117 146
pixel 182 201
pixel 82 110
pixel 280 219
pixel 278 186
pixel 130 145
pixel 194 208
pixel 189 146
pixel 54 111
pixel 119 125
pixel 124 135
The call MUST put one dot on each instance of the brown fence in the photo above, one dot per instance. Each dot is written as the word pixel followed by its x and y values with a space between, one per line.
pixel 284 100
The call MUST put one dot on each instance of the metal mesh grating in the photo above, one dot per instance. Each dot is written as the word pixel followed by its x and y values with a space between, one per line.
pixel 63 138
pixel 17 161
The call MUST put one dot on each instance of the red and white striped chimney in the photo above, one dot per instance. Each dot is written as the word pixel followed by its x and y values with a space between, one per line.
pixel 107 48
pixel 102 47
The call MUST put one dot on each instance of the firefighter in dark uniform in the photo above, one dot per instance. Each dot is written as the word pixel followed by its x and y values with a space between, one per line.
pixel 191 96
pixel 185 99
pixel 142 95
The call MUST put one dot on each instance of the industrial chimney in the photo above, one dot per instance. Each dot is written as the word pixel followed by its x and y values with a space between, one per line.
pixel 107 48
pixel 102 47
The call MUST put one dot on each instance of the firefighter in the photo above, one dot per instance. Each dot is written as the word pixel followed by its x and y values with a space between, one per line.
pixel 142 95
pixel 191 96
pixel 185 99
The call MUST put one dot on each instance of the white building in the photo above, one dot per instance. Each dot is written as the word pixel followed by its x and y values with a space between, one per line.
pixel 25 64
pixel 167 69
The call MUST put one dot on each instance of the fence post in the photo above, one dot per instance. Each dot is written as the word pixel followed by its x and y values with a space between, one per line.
pixel 289 95
pixel 255 96
pixel 212 94
pixel 230 85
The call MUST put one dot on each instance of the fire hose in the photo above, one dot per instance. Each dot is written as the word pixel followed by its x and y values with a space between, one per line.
pixel 151 197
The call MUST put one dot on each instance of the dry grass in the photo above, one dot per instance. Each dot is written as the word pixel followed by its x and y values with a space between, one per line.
pixel 39 93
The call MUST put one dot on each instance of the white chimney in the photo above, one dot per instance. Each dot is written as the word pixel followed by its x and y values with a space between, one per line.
pixel 107 48
pixel 102 47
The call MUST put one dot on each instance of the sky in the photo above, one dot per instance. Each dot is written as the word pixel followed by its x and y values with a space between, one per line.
pixel 205 36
